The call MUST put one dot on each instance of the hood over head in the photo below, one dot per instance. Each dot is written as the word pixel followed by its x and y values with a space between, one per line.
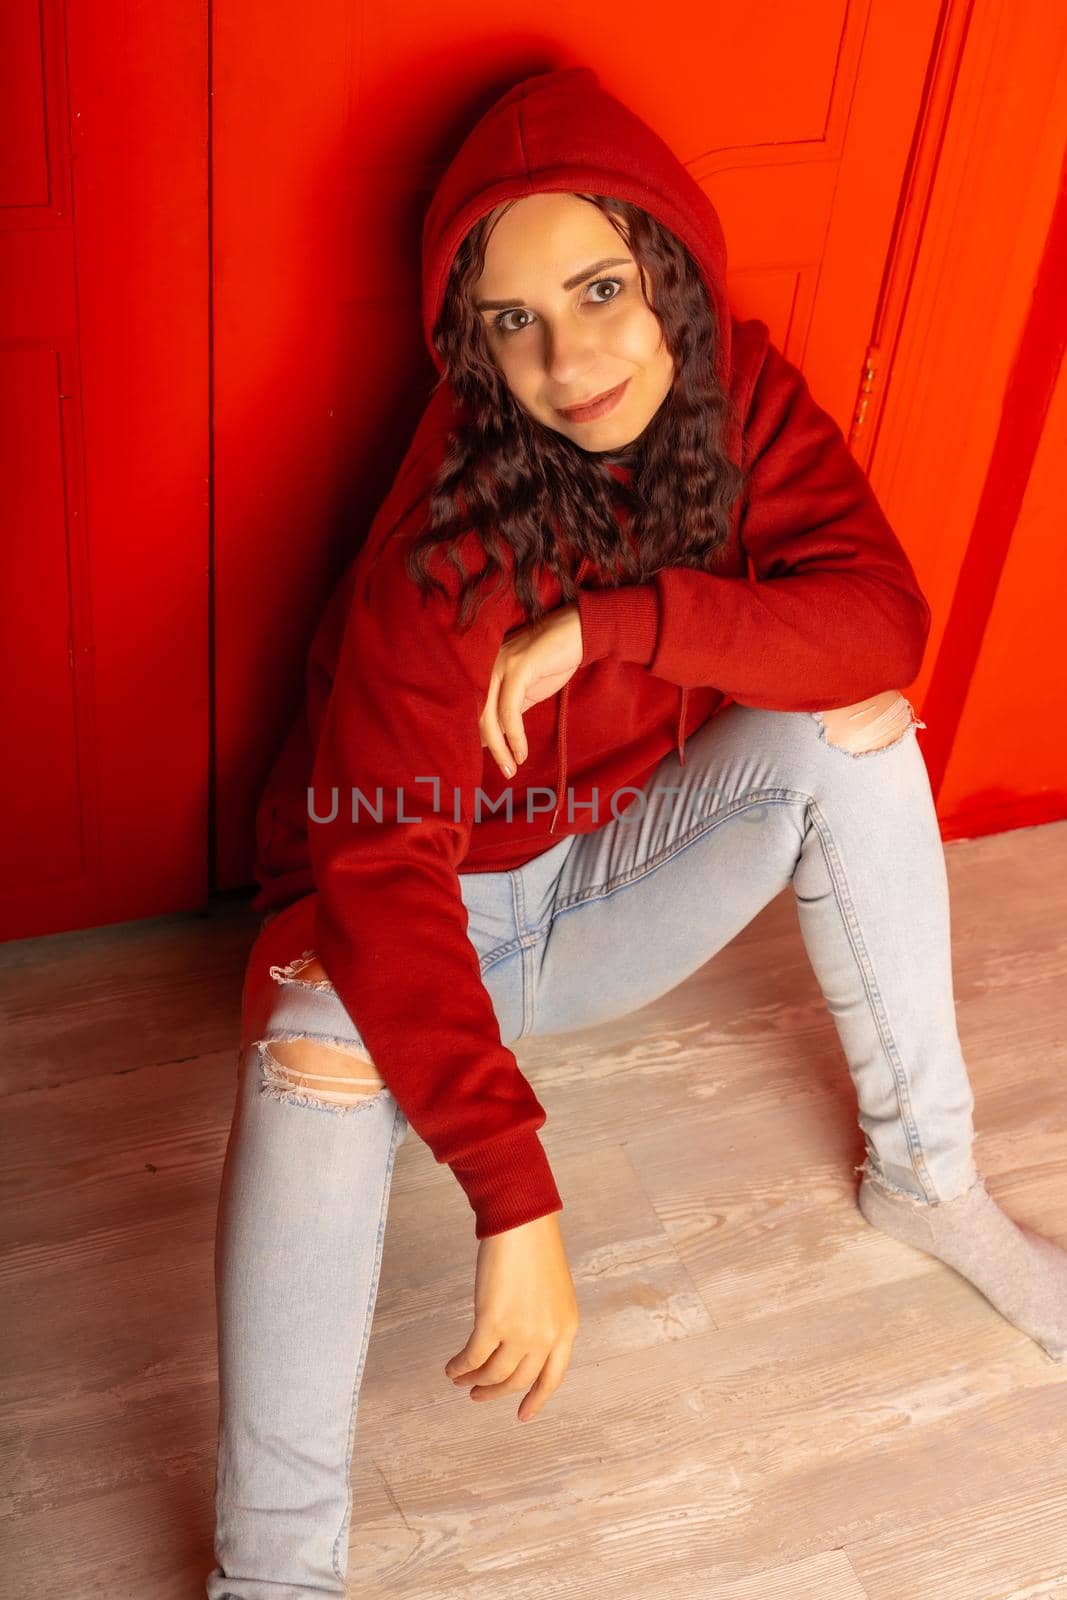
pixel 562 131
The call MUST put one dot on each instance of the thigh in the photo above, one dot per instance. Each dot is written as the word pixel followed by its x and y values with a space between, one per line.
pixel 649 897
pixel 282 999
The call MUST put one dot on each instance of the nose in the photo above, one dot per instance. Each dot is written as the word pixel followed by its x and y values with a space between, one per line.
pixel 569 352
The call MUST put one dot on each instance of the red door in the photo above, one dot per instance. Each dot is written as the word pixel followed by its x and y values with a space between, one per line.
pixel 104 459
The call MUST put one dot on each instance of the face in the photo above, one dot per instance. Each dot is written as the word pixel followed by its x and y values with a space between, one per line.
pixel 562 334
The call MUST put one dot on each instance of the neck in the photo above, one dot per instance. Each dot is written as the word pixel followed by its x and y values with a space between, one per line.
pixel 626 456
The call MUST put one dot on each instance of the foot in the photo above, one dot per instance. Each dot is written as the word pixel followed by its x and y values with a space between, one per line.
pixel 1021 1273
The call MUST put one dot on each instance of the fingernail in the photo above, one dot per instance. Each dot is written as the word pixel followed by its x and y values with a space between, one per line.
pixel 509 771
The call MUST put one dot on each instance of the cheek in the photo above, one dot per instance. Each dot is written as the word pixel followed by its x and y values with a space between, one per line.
pixel 519 370
pixel 639 338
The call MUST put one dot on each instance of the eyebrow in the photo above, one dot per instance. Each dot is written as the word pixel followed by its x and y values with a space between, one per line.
pixel 571 283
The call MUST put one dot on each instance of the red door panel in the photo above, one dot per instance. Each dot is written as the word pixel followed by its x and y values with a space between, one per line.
pixel 104 445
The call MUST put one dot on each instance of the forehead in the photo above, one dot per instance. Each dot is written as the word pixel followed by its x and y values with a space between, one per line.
pixel 546 232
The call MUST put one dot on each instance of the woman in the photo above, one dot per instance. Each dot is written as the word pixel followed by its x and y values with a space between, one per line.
pixel 543 799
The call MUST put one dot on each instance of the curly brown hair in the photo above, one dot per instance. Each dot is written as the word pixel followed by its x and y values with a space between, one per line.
pixel 517 483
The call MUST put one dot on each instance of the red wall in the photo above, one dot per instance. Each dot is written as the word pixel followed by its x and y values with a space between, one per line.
pixel 204 407
pixel 104 460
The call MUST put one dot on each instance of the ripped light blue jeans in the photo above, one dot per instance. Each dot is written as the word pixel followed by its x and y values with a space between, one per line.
pixel 599 925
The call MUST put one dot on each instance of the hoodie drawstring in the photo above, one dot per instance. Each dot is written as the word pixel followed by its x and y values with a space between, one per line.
pixel 561 733
pixel 561 745
pixel 683 697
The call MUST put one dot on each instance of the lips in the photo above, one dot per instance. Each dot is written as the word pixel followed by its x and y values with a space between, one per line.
pixel 595 406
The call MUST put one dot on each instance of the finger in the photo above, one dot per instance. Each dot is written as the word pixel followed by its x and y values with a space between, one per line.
pixel 551 1376
pixel 475 1353
pixel 510 700
pixel 500 1364
pixel 521 1376
pixel 492 736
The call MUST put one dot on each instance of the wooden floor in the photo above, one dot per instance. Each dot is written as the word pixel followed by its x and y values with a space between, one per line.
pixel 768 1400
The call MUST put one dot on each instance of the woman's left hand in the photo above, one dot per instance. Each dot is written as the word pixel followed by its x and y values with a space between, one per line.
pixel 532 663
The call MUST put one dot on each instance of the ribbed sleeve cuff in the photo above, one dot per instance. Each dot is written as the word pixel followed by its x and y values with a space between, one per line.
pixel 508 1182
pixel 619 623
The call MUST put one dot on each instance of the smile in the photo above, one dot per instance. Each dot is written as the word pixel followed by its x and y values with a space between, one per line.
pixel 594 408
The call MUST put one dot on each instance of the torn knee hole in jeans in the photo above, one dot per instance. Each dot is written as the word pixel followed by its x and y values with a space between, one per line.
pixel 316 979
pixel 328 1073
pixel 870 726
pixel 302 1071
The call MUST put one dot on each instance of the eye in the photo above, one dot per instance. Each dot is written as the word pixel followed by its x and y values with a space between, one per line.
pixel 500 322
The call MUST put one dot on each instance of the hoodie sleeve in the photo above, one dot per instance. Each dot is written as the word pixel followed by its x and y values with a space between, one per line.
pixel 835 612
pixel 400 743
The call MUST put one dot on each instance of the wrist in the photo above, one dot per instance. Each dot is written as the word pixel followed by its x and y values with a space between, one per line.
pixel 619 624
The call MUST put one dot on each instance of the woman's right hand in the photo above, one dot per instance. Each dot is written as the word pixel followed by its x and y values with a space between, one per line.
pixel 525 1317
pixel 533 662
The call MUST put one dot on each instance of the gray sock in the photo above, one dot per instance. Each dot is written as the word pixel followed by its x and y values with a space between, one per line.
pixel 1021 1273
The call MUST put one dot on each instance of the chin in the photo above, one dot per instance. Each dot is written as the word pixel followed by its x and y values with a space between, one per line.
pixel 616 449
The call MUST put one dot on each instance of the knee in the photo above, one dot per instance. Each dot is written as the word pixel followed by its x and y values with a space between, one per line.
pixel 324 1074
pixel 870 724
pixel 310 970
pixel 315 1073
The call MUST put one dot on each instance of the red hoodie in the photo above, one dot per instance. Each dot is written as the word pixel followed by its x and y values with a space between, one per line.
pixel 828 613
